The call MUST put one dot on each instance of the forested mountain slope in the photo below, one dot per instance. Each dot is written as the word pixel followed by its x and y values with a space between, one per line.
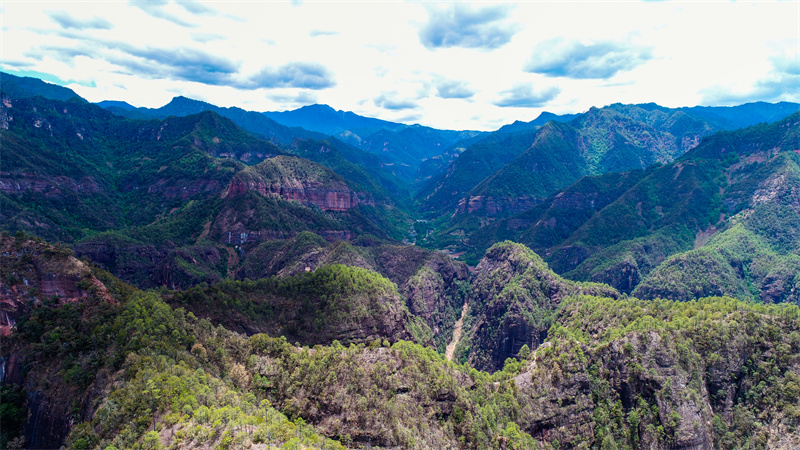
pixel 167 196
pixel 117 366
pixel 252 121
pixel 616 228
pixel 654 306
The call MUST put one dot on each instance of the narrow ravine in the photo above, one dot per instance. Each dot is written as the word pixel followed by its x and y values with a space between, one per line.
pixel 451 347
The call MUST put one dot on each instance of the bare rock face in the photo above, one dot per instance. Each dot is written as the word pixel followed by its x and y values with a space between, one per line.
pixel 132 262
pixel 50 187
pixel 781 286
pixel 718 373
pixel 300 180
pixel 513 297
pixel 436 293
pixel 188 266
pixel 623 276
pixel 560 401
pixel 34 272
pixel 327 199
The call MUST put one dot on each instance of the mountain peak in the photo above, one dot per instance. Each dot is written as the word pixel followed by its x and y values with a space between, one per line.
pixel 181 100
pixel 24 87
pixel 317 107
pixel 105 104
pixel 325 119
pixel 183 106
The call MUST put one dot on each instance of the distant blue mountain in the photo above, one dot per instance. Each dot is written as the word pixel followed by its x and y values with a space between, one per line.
pixel 324 119
pixel 543 118
pixel 251 121
pixel 746 115
pixel 404 146
pixel 108 104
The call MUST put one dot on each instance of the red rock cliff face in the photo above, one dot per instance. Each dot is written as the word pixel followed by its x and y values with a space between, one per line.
pixel 327 199
pixel 34 271
pixel 51 187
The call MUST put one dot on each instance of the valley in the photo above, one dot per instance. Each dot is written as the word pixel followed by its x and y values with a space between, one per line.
pixel 195 276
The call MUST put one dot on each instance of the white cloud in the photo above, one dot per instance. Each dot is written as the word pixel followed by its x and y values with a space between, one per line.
pixel 459 25
pixel 452 66
pixel 572 59
pixel 524 96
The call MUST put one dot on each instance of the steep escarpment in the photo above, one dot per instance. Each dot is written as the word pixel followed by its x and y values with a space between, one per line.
pixel 37 278
pixel 661 374
pixel 748 177
pixel 618 228
pixel 336 302
pixel 513 302
pixel 550 222
pixel 616 138
pixel 165 202
pixel 297 179
pixel 717 372
pixel 432 285
pixel 33 272
pixel 476 162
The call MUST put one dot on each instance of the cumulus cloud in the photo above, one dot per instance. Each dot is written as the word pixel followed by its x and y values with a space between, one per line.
pixel 315 33
pixel 392 102
pixel 409 118
pixel 16 64
pixel 523 96
pixel 462 26
pixel 64 54
pixel 726 96
pixel 197 8
pixel 782 84
pixel 65 20
pixel 787 64
pixel 572 59
pixel 179 63
pixel 206 37
pixel 190 64
pixel 295 75
pixel 155 8
pixel 453 89
pixel 301 98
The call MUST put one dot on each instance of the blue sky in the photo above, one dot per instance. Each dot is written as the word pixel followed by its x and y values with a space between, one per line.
pixel 443 64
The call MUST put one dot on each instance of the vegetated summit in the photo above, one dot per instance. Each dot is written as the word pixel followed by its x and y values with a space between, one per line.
pixel 196 276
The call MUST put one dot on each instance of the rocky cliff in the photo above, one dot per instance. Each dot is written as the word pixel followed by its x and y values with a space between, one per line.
pixel 33 273
pixel 336 302
pixel 512 304
pixel 432 284
pixel 664 375
pixel 301 180
pixel 37 278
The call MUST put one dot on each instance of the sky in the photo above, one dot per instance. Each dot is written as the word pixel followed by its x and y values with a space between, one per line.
pixel 448 65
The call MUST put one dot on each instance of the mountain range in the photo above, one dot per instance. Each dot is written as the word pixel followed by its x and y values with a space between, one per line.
pixel 198 276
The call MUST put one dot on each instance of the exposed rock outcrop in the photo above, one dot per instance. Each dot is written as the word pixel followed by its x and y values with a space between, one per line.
pixel 33 272
pixel 294 178
pixel 51 187
pixel 513 298
pixel 131 261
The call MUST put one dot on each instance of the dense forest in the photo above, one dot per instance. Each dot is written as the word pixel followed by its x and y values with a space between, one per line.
pixel 204 277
